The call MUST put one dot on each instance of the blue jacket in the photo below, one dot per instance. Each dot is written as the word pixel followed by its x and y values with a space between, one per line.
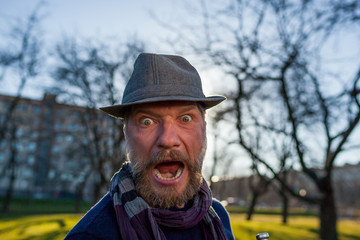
pixel 100 223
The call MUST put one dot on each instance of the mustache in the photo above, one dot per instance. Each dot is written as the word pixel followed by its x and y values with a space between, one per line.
pixel 164 155
pixel 160 157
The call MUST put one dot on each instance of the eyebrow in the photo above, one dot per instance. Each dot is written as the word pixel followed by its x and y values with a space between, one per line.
pixel 146 110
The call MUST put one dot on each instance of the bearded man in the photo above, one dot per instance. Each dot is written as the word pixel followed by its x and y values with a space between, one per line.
pixel 159 193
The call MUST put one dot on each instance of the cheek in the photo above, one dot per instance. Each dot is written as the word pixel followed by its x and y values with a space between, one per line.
pixel 140 144
pixel 195 141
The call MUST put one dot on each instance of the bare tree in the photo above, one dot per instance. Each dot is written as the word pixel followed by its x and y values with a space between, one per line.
pixel 93 76
pixel 221 156
pixel 11 168
pixel 22 54
pixel 276 81
pixel 258 185
pixel 272 52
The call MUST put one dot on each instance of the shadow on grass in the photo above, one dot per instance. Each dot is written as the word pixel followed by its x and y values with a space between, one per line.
pixel 25 230
pixel 60 234
pixel 348 236
pixel 309 229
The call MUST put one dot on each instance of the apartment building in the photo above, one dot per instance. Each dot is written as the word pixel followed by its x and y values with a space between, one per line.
pixel 49 145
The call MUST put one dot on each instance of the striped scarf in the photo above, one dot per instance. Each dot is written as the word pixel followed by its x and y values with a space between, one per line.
pixel 137 220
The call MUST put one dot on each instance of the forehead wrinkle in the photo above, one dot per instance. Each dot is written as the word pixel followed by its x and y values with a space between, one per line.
pixel 156 109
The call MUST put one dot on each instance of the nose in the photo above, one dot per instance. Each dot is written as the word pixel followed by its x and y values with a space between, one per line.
pixel 168 135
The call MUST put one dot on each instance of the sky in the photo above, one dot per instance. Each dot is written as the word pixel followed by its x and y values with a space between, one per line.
pixel 115 19
pixel 89 17
pixel 121 19
pixel 102 19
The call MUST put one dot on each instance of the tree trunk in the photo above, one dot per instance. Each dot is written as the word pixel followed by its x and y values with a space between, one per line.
pixel 79 198
pixel 97 192
pixel 9 192
pixel 328 216
pixel 80 193
pixel 285 208
pixel 252 206
pixel 285 201
pixel 98 189
pixel 12 167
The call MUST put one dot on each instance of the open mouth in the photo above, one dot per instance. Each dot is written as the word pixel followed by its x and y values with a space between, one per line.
pixel 168 171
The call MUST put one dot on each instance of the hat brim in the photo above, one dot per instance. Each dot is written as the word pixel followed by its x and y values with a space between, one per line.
pixel 118 110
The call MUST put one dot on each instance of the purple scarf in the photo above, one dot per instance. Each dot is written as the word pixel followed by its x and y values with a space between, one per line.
pixel 137 220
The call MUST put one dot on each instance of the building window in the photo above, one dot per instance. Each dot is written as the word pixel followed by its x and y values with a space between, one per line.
pixel 20 146
pixel 19 133
pixel 66 177
pixel 34 135
pixel 36 109
pixel 57 125
pixel 27 173
pixel 52 174
pixel 72 127
pixel 56 149
pixel 36 122
pixel 31 147
pixel 69 138
pixel 60 112
pixel 21 107
pixel 59 138
pixel 2 118
pixel 31 160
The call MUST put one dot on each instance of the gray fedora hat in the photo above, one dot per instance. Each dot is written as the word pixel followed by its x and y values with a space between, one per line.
pixel 159 78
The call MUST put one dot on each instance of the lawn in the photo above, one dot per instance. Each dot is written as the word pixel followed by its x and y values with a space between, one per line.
pixel 39 227
pixel 302 227
pixel 55 226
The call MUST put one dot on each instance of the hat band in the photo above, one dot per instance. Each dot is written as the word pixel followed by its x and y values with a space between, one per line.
pixel 172 91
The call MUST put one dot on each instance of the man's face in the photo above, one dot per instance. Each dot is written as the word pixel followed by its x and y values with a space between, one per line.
pixel 166 144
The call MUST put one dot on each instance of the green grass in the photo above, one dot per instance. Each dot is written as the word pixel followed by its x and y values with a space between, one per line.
pixel 299 227
pixel 39 227
pixel 30 219
pixel 55 226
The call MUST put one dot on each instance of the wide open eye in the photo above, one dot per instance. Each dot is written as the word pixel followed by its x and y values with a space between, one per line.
pixel 147 121
pixel 186 118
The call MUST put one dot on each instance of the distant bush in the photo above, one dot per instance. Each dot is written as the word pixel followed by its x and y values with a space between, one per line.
pixel 43 206
pixel 273 211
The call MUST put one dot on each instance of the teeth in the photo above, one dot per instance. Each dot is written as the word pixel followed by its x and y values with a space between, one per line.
pixel 158 174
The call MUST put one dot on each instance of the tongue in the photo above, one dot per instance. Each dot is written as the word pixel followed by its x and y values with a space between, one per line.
pixel 168 169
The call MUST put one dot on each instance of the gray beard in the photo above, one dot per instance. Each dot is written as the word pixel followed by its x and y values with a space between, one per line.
pixel 167 197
